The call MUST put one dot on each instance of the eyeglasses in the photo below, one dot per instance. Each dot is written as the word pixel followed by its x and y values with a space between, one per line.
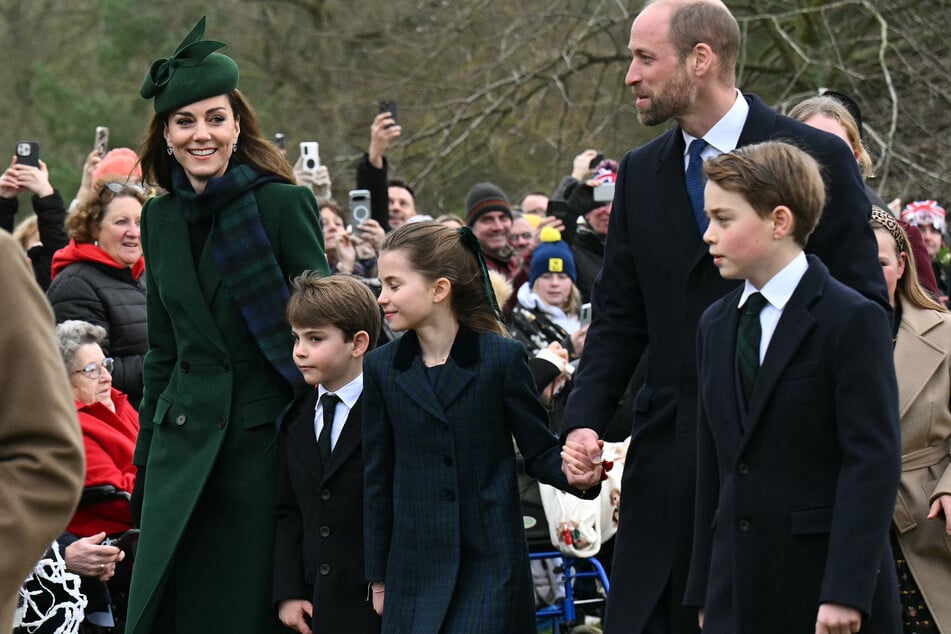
pixel 94 369
pixel 110 190
pixel 528 235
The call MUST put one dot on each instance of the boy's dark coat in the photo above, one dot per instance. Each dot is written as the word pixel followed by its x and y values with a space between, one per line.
pixel 318 546
pixel 795 496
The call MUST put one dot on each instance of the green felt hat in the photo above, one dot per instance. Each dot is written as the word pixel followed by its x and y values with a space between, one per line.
pixel 193 72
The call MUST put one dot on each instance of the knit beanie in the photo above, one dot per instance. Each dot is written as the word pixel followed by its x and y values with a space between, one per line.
pixel 119 164
pixel 552 255
pixel 483 198
pixel 924 212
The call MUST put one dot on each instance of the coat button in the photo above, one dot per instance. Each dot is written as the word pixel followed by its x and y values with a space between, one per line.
pixel 225 366
pixel 183 366
pixel 325 494
pixel 325 531
pixel 221 422
pixel 180 419
pixel 743 468
pixel 324 569
pixel 744 526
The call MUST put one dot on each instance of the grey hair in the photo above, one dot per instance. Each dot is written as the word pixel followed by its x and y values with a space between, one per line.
pixel 72 334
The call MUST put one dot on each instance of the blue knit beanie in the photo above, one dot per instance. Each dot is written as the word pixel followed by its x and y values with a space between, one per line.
pixel 553 255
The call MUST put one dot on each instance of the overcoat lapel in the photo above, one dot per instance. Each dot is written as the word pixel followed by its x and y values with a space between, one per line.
pixel 723 355
pixel 796 322
pixel 459 370
pixel 181 268
pixel 917 354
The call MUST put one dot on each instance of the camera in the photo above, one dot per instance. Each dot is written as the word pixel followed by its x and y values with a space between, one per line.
pixel 360 206
pixel 101 144
pixel 596 160
pixel 604 193
pixel 310 155
pixel 28 153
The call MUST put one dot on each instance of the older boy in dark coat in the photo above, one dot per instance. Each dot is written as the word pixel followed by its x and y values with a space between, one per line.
pixel 798 461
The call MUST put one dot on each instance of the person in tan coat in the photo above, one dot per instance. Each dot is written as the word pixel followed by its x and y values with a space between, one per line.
pixel 921 537
pixel 41 447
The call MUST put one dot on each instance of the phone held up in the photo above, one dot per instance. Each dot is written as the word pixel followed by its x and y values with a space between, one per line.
pixel 28 153
pixel 359 206
pixel 389 105
pixel 310 155
pixel 101 144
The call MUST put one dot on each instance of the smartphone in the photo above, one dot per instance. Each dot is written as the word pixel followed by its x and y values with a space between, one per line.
pixel 101 143
pixel 389 105
pixel 28 153
pixel 584 314
pixel 359 206
pixel 596 160
pixel 124 541
pixel 280 141
pixel 603 193
pixel 310 153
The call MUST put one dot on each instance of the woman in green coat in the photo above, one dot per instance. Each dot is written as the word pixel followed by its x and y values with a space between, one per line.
pixel 219 248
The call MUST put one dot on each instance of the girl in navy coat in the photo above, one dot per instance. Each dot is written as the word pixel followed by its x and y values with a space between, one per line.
pixel 445 546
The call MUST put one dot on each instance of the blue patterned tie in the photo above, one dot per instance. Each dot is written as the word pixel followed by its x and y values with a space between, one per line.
pixel 747 342
pixel 695 183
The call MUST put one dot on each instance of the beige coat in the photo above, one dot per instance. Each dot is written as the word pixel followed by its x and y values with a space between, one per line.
pixel 923 364
pixel 41 446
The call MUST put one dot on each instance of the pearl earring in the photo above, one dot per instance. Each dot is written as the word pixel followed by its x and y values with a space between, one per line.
pixel 168 148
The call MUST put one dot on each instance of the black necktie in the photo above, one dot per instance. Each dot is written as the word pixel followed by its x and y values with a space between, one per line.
pixel 694 180
pixel 329 403
pixel 747 342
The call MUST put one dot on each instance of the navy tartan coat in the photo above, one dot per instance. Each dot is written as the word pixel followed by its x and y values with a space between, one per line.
pixel 443 519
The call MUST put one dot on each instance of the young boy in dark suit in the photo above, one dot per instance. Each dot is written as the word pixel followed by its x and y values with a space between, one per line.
pixel 798 438
pixel 319 583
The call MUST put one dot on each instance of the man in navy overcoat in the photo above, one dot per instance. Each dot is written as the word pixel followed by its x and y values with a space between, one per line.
pixel 657 279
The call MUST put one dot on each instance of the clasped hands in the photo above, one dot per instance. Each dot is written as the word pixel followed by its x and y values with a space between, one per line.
pixel 581 459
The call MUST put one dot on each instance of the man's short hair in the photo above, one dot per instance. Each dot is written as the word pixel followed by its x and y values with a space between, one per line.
pixel 338 300
pixel 771 174
pixel 395 182
pixel 710 22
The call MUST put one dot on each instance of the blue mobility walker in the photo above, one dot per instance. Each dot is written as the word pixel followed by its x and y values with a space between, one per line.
pixel 563 615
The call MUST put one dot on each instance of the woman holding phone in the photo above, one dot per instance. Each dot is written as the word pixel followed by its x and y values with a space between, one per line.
pixel 221 246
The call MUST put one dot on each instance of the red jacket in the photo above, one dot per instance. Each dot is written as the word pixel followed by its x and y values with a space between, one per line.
pixel 109 440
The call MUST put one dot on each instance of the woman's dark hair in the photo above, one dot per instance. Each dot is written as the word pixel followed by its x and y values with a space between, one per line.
pixel 254 149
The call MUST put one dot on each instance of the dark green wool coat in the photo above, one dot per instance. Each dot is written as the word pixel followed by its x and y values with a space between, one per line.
pixel 207 424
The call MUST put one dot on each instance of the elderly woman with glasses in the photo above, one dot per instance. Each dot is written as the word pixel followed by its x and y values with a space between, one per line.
pixel 98 277
pixel 110 427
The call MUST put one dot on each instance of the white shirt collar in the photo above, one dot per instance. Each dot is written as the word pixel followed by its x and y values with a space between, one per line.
pixel 348 394
pixel 725 134
pixel 781 286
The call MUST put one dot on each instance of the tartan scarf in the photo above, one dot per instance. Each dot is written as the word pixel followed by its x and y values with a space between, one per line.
pixel 243 253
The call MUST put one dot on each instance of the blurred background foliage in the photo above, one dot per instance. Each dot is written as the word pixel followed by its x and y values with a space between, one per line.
pixel 487 89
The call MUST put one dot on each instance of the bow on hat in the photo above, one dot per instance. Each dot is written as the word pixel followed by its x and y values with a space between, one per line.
pixel 191 52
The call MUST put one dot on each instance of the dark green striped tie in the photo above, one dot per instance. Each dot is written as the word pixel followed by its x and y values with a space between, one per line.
pixel 747 342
